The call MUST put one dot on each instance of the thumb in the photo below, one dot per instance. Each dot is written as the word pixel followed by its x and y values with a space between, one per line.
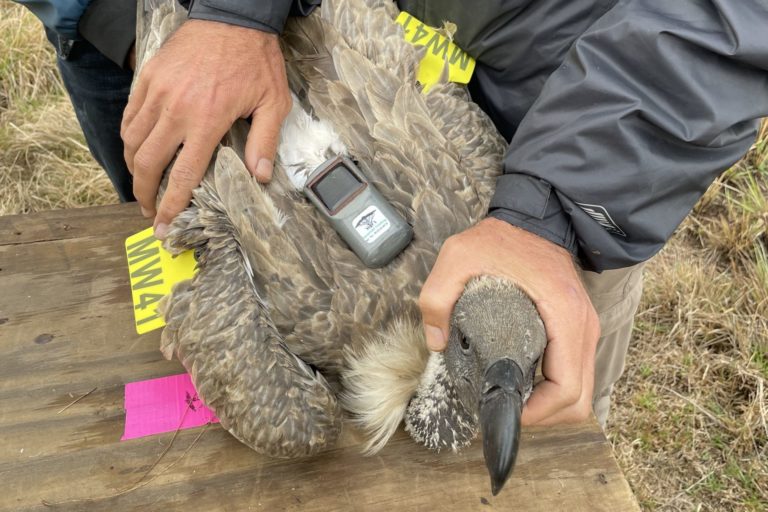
pixel 261 144
pixel 439 294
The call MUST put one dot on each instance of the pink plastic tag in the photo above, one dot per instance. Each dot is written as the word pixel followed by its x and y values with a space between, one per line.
pixel 163 405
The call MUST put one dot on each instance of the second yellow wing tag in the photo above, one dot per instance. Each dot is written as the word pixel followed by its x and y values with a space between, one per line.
pixel 153 272
pixel 439 51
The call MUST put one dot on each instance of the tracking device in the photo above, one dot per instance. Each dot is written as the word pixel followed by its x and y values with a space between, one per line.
pixel 357 211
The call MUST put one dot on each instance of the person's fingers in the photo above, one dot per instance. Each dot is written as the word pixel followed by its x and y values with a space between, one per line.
pixel 572 414
pixel 186 174
pixel 263 138
pixel 563 362
pixel 580 410
pixel 540 404
pixel 135 132
pixel 135 100
pixel 439 294
pixel 568 366
pixel 150 161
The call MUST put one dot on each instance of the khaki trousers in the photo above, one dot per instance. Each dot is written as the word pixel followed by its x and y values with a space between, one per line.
pixel 616 296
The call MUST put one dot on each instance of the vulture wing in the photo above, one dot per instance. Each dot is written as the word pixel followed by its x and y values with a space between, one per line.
pixel 278 294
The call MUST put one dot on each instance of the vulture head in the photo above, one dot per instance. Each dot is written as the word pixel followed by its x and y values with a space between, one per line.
pixel 478 384
pixel 495 343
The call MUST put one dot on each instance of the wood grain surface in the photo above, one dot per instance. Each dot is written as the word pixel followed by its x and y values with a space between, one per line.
pixel 66 329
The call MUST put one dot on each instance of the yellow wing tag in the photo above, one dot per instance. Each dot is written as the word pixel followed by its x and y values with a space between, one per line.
pixel 439 51
pixel 153 272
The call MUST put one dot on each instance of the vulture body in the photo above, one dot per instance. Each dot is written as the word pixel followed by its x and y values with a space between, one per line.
pixel 283 327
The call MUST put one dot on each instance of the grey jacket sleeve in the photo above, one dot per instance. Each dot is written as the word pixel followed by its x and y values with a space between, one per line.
pixel 651 103
pixel 267 15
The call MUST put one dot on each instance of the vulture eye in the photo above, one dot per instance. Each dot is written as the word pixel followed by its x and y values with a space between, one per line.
pixel 464 342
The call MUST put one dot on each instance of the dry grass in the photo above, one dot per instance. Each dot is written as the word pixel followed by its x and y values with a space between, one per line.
pixel 690 427
pixel 690 423
pixel 44 162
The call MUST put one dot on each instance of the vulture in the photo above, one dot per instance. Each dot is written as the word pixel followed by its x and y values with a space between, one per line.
pixel 283 329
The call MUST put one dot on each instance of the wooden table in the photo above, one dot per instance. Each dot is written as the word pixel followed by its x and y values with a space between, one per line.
pixel 66 329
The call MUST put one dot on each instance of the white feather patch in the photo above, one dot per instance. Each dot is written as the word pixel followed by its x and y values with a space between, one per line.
pixel 436 417
pixel 305 143
pixel 380 380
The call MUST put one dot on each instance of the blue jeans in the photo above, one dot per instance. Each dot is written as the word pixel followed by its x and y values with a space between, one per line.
pixel 99 91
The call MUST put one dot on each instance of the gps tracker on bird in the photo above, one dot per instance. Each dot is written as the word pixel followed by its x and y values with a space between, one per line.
pixel 357 211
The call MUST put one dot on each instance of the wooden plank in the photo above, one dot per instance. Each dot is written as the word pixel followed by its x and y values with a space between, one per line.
pixel 65 329
pixel 75 223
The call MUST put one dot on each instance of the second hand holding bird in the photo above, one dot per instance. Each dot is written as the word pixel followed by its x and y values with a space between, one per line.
pixel 546 272
pixel 204 78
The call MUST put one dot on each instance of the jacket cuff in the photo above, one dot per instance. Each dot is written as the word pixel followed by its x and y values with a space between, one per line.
pixel 531 204
pixel 303 7
pixel 268 16
pixel 110 26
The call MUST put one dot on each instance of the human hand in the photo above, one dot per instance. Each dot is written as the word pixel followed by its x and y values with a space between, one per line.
pixel 206 76
pixel 547 274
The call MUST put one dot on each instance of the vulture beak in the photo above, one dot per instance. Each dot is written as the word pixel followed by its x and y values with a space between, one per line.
pixel 501 405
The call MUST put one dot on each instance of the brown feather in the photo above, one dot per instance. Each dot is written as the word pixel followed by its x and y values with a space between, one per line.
pixel 277 286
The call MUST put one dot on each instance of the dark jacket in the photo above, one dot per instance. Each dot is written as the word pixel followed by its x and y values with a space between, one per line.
pixel 619 113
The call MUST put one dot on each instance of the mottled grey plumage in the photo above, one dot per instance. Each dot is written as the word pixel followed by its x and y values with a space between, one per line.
pixel 219 327
pixel 278 291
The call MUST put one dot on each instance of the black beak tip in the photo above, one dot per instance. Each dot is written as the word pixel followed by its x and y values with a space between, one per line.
pixel 500 413
pixel 496 485
pixel 500 459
